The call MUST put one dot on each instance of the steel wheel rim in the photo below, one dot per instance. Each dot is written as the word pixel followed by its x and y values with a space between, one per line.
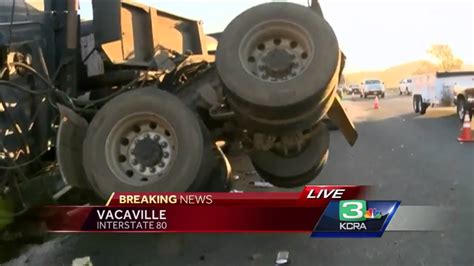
pixel 141 149
pixel 276 51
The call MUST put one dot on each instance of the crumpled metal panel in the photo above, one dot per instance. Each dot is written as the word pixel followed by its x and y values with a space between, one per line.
pixel 132 34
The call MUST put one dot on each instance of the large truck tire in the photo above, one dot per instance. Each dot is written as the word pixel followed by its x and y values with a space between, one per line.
pixel 277 60
pixel 209 162
pixel 142 141
pixel 311 117
pixel 416 103
pixel 296 180
pixel 294 170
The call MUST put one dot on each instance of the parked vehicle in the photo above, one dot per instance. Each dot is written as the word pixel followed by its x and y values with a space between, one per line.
pixel 372 87
pixel 344 89
pixel 443 88
pixel 354 89
pixel 464 99
pixel 406 86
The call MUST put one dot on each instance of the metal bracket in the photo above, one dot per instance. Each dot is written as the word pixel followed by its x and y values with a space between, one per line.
pixel 338 116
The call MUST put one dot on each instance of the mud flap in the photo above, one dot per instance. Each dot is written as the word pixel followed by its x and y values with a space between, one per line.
pixel 71 134
pixel 338 116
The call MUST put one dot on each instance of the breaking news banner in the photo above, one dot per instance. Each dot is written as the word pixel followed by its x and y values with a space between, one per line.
pixel 322 211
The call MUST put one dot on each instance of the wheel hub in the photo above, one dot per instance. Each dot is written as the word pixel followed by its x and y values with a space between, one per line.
pixel 149 154
pixel 147 151
pixel 276 51
pixel 278 63
pixel 141 149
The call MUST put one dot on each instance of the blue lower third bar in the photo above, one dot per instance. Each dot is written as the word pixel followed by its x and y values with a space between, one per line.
pixel 355 219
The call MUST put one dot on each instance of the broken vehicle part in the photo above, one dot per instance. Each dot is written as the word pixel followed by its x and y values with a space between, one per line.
pixel 137 99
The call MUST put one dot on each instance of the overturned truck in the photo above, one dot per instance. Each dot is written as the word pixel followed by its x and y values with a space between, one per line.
pixel 137 98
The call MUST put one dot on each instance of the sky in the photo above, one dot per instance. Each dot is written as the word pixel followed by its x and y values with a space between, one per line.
pixel 374 34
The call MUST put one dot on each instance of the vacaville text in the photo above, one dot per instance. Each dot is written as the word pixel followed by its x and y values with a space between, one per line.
pixel 131 219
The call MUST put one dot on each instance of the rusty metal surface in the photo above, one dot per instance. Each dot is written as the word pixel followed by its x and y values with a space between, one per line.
pixel 132 34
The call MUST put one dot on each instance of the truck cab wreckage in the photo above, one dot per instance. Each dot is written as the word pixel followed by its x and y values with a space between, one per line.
pixel 136 99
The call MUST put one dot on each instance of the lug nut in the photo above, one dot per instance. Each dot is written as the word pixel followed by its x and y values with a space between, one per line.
pixel 147 136
pixel 132 151
pixel 156 137
pixel 134 162
pixel 142 169
pixel 166 155
pixel 164 144
pixel 152 169
pixel 161 164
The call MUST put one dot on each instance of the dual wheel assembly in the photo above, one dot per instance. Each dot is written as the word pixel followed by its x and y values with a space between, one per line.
pixel 280 64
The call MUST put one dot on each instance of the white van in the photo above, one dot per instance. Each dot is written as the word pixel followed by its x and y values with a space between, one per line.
pixel 436 88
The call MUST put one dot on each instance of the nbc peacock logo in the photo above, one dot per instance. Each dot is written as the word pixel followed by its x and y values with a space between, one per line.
pixel 373 213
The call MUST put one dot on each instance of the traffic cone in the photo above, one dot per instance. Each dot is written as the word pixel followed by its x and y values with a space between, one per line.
pixel 466 135
pixel 376 102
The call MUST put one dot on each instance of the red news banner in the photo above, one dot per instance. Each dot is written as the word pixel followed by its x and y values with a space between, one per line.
pixel 201 212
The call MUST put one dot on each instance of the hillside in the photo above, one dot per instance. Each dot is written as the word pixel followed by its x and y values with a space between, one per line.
pixel 468 67
pixel 391 76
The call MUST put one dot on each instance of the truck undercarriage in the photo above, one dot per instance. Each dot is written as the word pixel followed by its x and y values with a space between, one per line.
pixel 137 99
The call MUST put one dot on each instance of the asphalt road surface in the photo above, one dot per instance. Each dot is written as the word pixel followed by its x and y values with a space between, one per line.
pixel 415 159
